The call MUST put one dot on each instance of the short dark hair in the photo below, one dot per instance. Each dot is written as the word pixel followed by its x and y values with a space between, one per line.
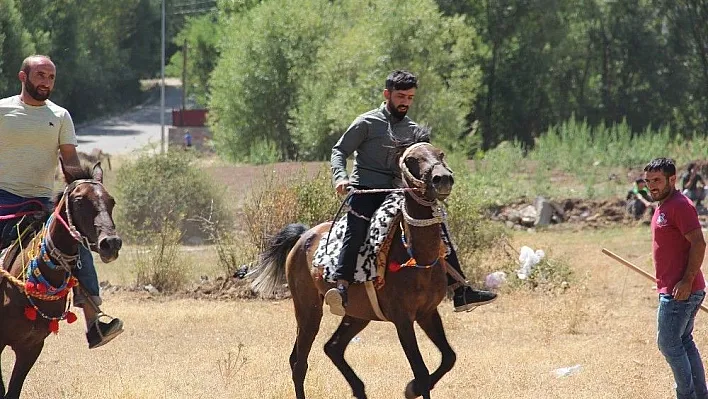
pixel 640 180
pixel 27 62
pixel 665 165
pixel 401 80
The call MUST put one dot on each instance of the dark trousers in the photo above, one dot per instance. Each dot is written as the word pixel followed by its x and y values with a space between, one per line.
pixel 357 227
pixel 361 205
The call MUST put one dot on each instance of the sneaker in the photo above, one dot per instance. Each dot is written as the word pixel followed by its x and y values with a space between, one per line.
pixel 466 298
pixel 336 298
pixel 102 333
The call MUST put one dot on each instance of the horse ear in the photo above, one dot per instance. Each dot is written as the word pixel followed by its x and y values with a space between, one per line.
pixel 98 172
pixel 68 177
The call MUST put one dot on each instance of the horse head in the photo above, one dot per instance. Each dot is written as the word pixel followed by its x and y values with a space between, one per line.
pixel 423 167
pixel 89 211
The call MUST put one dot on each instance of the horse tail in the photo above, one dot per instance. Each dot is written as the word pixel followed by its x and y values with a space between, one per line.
pixel 270 274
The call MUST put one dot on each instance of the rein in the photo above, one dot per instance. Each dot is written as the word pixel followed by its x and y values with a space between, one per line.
pixel 20 214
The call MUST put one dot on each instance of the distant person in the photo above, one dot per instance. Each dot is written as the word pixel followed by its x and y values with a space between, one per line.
pixel 690 187
pixel 187 140
pixel 678 248
pixel 638 199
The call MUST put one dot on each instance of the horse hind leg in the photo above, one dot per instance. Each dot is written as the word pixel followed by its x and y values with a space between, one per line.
pixel 2 383
pixel 24 360
pixel 433 328
pixel 348 328
pixel 308 313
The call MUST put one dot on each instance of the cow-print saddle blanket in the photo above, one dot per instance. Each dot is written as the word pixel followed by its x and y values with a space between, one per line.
pixel 384 219
pixel 327 253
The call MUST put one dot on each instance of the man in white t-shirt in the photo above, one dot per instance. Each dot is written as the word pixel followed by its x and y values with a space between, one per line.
pixel 32 130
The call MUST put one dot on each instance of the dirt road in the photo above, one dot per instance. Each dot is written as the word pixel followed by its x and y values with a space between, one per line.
pixel 134 130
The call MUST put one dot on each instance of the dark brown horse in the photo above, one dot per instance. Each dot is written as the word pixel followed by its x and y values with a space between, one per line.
pixel 409 295
pixel 32 304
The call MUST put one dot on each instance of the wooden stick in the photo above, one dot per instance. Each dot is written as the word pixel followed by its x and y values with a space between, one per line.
pixel 636 269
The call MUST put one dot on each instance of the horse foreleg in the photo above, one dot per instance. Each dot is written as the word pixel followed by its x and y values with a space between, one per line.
pixel 406 335
pixel 24 360
pixel 433 328
pixel 348 328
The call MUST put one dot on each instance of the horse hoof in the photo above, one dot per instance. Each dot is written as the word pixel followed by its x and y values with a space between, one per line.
pixel 410 391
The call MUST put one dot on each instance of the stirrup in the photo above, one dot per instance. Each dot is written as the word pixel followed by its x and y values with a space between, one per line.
pixel 96 337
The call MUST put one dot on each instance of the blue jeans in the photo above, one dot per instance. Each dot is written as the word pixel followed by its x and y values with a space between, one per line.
pixel 86 274
pixel 675 340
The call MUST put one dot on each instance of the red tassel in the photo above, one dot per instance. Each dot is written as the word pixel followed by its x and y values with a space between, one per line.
pixel 54 326
pixel 70 317
pixel 394 266
pixel 30 313
pixel 41 288
pixel 71 283
pixel 30 286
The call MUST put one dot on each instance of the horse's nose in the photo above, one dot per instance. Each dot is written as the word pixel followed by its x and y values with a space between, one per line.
pixel 110 244
pixel 443 182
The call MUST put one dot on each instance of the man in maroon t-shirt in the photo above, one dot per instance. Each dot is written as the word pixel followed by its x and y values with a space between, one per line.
pixel 678 247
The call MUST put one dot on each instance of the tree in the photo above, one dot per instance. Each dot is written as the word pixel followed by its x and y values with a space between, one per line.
pixel 256 81
pixel 15 45
pixel 201 36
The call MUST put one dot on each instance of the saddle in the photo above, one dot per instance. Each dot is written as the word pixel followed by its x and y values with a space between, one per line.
pixel 382 225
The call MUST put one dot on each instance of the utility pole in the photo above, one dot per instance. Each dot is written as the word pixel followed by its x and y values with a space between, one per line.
pixel 162 86
pixel 184 80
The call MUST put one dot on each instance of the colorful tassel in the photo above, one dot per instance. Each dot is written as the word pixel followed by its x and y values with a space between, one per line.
pixel 70 317
pixel 30 313
pixel 394 266
pixel 54 326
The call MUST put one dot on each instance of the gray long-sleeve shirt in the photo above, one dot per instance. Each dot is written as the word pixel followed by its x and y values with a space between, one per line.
pixel 368 139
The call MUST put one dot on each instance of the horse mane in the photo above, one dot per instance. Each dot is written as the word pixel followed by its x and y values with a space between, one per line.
pixel 83 172
pixel 421 134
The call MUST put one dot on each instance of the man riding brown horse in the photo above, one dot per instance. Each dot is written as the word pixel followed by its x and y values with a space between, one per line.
pixel 370 138
pixel 36 271
pixel 410 294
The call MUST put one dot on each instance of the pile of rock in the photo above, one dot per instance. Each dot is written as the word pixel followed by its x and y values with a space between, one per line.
pixel 542 212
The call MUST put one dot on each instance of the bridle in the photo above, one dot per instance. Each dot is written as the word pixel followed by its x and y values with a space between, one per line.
pixel 420 187
pixel 64 260
pixel 438 213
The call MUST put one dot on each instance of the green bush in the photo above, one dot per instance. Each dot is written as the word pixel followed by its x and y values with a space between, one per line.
pixel 161 264
pixel 156 190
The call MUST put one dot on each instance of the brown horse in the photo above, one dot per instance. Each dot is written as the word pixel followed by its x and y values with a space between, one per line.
pixel 409 295
pixel 32 304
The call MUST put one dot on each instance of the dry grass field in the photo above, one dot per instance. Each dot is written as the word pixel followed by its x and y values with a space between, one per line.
pixel 188 348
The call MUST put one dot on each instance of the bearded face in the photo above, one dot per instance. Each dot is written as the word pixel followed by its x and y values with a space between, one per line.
pixel 660 185
pixel 38 75
pixel 399 101
pixel 38 92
